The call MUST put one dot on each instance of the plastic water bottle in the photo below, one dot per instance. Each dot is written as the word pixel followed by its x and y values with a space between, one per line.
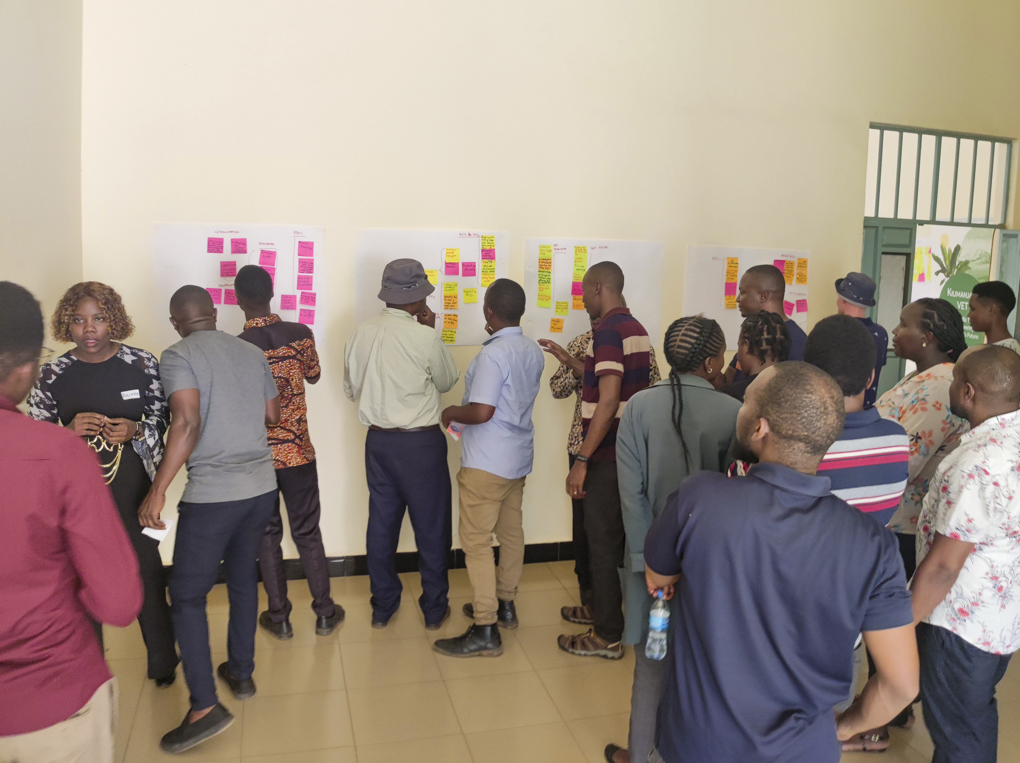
pixel 658 624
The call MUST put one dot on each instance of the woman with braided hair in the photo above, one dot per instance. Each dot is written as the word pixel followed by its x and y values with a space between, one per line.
pixel 764 341
pixel 673 429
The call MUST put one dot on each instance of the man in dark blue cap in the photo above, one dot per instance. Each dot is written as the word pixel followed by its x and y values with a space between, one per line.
pixel 854 295
pixel 395 368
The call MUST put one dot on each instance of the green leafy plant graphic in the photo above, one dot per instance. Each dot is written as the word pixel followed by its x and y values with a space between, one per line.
pixel 949 263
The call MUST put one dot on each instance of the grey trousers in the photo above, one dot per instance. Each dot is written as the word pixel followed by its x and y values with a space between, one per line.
pixel 649 684
pixel 654 757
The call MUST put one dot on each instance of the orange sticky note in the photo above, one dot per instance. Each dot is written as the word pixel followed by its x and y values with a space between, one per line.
pixel 802 270
pixel 556 326
pixel 450 320
pixel 578 302
pixel 789 266
pixel 732 267
pixel 731 303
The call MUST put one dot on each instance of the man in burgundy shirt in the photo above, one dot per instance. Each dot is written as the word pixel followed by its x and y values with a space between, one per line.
pixel 64 558
pixel 616 367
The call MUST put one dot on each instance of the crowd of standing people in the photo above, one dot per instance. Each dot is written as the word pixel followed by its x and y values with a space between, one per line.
pixel 799 524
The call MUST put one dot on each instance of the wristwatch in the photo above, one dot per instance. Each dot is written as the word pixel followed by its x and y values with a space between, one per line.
pixel 139 432
pixel 582 459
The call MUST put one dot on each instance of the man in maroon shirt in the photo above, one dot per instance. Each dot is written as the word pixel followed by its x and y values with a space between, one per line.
pixel 64 558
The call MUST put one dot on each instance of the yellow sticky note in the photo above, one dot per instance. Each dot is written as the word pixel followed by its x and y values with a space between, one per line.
pixel 487 279
pixel 788 271
pixel 450 287
pixel 802 270
pixel 453 255
pixel 579 272
pixel 450 336
pixel 544 264
pixel 488 272
pixel 731 303
pixel 470 296
pixel 732 266
pixel 450 320
pixel 562 308
pixel 578 302
pixel 545 251
pixel 488 242
pixel 580 251
pixel 556 326
pixel 545 277
pixel 433 276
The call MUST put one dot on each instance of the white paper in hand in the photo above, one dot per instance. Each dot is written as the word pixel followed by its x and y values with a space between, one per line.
pixel 159 535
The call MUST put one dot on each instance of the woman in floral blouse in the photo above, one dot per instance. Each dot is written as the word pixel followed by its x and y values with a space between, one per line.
pixel 111 395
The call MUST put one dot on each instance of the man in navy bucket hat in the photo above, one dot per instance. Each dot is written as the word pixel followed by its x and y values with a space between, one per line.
pixel 854 295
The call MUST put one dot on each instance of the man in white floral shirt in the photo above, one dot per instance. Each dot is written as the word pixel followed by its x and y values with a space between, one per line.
pixel 968 550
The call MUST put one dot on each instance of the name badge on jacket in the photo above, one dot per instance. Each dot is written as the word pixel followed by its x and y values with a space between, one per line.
pixel 130 394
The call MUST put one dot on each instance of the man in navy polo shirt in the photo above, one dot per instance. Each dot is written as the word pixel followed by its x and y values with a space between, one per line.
pixel 854 295
pixel 776 577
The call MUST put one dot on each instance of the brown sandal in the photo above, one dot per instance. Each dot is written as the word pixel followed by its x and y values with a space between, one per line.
pixel 582 615
pixel 875 740
pixel 588 644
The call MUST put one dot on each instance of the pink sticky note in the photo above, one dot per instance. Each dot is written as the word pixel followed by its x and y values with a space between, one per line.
pixel 304 283
pixel 730 290
pixel 788 308
pixel 308 298
pixel 267 258
pixel 214 245
pixel 488 254
pixel 468 268
pixel 288 301
pixel 576 289
pixel 305 265
pixel 217 295
pixel 452 269
pixel 801 305
pixel 779 264
pixel 229 297
pixel 920 277
pixel 272 273
pixel 239 246
pixel 306 316
pixel 228 269
pixel 305 248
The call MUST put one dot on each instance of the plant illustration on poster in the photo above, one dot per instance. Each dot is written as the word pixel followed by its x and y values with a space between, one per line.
pixel 949 261
pixel 460 264
pixel 712 279
pixel 209 255
pixel 554 269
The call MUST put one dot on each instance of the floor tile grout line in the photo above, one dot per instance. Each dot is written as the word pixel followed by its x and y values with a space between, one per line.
pixel 347 696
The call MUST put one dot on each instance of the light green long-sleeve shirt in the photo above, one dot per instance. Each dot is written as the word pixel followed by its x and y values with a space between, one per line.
pixel 396 369
pixel 650 465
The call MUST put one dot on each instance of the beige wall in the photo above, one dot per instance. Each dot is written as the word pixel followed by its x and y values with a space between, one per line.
pixel 734 122
pixel 40 145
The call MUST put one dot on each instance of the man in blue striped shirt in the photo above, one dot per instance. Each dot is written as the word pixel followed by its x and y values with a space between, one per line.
pixel 867 464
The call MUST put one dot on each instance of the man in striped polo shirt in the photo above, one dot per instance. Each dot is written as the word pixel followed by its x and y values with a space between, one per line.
pixel 616 366
pixel 867 465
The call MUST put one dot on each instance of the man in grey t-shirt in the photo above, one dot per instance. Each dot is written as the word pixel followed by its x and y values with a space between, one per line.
pixel 222 396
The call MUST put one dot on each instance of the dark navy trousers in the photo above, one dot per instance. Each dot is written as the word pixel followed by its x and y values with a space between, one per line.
pixel 208 533
pixel 407 471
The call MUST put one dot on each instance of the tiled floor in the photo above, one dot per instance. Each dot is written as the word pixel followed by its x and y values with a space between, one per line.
pixel 382 696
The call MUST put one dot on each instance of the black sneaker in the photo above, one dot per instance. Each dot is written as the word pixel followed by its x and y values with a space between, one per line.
pixel 241 689
pixel 477 641
pixel 506 614
pixel 326 625
pixel 189 735
pixel 282 631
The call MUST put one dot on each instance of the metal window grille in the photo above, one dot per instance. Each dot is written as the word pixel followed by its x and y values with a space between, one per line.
pixel 935 176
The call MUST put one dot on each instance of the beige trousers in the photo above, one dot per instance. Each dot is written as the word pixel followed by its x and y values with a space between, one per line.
pixel 85 737
pixel 491 504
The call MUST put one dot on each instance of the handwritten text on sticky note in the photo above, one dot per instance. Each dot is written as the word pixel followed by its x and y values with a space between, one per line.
pixel 576 288
pixel 556 326
pixel 228 269
pixel 450 320
pixel 453 255
pixel 488 254
pixel 229 297
pixel 308 298
pixel 452 269
pixel 802 270
pixel 267 258
pixel 217 295
pixel 239 246
pixel 214 245
pixel 304 283
pixel 449 336
pixel 306 316
pixel 562 307
pixel 578 302
pixel 488 242
pixel 433 276
pixel 801 305
pixel 468 269
pixel 288 301
pixel 306 248
pixel 788 307
pixel 305 265
pixel 470 296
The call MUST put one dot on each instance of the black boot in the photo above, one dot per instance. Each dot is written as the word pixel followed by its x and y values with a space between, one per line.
pixel 477 641
pixel 506 614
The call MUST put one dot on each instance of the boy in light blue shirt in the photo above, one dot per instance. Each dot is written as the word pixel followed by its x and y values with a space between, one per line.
pixel 500 388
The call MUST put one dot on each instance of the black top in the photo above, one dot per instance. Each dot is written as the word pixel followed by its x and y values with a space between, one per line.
pixel 777 579
pixel 738 387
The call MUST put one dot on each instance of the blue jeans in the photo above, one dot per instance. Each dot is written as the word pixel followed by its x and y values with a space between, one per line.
pixel 958 694
pixel 208 533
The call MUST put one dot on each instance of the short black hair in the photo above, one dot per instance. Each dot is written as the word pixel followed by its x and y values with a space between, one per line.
pixel 994 370
pixel 769 278
pixel 506 299
pixel 609 274
pixel 21 328
pixel 804 407
pixel 253 285
pixel 841 346
pixel 191 300
pixel 999 293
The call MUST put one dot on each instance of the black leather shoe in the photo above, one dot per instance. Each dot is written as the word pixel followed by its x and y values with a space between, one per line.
pixel 326 625
pixel 166 681
pixel 241 690
pixel 506 614
pixel 188 735
pixel 477 641
pixel 282 631
pixel 439 623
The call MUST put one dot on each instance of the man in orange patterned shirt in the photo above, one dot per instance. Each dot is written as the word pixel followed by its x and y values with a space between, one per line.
pixel 290 350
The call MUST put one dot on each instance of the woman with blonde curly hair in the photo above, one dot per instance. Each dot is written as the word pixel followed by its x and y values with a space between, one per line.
pixel 111 395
